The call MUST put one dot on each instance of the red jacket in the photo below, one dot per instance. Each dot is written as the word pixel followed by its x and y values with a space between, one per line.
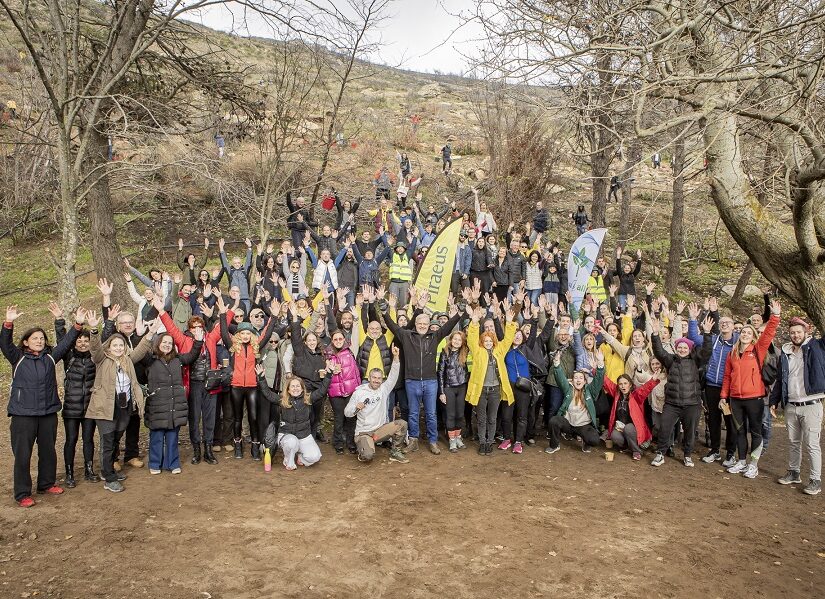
pixel 743 373
pixel 635 406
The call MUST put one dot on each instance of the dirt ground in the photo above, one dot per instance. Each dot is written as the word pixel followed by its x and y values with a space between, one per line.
pixel 534 525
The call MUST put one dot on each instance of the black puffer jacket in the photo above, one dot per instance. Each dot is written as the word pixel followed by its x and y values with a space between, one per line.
pixel 541 221
pixel 684 376
pixel 80 377
pixel 305 362
pixel 166 405
pixel 501 271
pixel 295 420
pixel 627 281
pixel 451 372
pixel 482 260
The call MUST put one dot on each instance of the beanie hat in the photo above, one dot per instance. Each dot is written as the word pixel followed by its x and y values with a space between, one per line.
pixel 684 340
pixel 245 326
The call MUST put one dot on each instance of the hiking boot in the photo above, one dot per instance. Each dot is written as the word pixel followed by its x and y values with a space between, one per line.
pixel 238 449
pixel 114 486
pixel 814 487
pixel 517 448
pixel 196 453
pixel 488 449
pixel 482 449
pixel 730 460
pixel 396 455
pixel 319 436
pixel 208 456
pixel 70 481
pixel 738 468
pixel 255 450
pixel 89 473
pixel 688 461
pixel 752 471
pixel 505 445
pixel 339 451
pixel 658 460
pixel 453 446
pixel 791 478
pixel 412 445
pixel 713 456
pixel 135 463
pixel 25 502
pixel 434 449
pixel 551 449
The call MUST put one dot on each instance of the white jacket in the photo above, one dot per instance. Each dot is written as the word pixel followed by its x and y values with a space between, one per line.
pixel 374 413
pixel 320 274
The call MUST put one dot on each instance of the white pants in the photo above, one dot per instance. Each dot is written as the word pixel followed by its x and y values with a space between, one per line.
pixel 804 424
pixel 292 447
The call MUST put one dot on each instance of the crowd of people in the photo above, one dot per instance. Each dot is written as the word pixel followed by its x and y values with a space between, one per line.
pixel 250 356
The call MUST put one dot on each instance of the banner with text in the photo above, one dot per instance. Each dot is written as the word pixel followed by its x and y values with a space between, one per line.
pixel 436 271
pixel 580 263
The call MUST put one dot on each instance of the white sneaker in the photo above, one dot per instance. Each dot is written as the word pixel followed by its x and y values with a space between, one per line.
pixel 711 457
pixel 738 467
pixel 729 462
pixel 688 462
pixel 175 470
pixel 752 471
pixel 153 471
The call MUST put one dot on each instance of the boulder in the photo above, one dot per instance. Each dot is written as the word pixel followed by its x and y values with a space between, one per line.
pixel 750 291
pixel 431 90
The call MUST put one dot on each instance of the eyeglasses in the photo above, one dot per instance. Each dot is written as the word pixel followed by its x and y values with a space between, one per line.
pixel 256 315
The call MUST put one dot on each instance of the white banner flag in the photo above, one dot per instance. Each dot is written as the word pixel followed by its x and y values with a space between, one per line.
pixel 580 263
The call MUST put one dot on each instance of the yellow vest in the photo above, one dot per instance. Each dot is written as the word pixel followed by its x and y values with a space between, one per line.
pixel 400 269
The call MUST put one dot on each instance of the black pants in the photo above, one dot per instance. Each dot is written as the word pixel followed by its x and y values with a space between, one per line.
pixel 714 422
pixel 201 412
pixel 250 396
pixel 132 440
pixel 500 291
pixel 222 434
pixel 604 406
pixel 72 427
pixel 750 411
pixel 455 406
pixel 560 424
pixel 109 441
pixel 486 412
pixel 343 432
pixel 267 412
pixel 517 412
pixel 25 430
pixel 671 414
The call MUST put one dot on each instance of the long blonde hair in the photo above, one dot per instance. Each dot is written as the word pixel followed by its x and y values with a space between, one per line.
pixel 286 398
pixel 253 342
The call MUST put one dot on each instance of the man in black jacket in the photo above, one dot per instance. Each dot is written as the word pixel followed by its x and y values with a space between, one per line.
pixel 516 267
pixel 419 348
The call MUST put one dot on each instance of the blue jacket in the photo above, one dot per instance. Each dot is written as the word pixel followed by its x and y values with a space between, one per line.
pixel 715 370
pixel 426 238
pixel 813 358
pixel 464 258
pixel 238 276
pixel 33 382
pixel 517 365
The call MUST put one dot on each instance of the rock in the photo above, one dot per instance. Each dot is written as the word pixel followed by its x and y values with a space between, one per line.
pixel 750 290
pixel 431 90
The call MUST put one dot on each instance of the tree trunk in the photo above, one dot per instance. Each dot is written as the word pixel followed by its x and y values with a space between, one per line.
pixel 67 262
pixel 634 157
pixel 106 254
pixel 677 218
pixel 744 279
pixel 599 172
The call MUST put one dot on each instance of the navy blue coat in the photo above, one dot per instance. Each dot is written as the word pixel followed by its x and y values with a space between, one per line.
pixel 33 382
pixel 813 357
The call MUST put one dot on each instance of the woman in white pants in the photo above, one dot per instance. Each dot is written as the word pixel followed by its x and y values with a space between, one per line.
pixel 295 432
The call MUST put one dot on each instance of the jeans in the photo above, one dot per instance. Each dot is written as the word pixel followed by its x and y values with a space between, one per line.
pixel 418 393
pixel 534 294
pixel 343 432
pixel 670 415
pixel 398 397
pixel 222 429
pixel 163 448
pixel 555 399
pixel 622 300
pixel 560 424
pixel 516 411
pixel 401 290
pixel 73 426
pixel 486 411
pixel 804 424
pixel 201 409
pixel 25 430
pixel 750 410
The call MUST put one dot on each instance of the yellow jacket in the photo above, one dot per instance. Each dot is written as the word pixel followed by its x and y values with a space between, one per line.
pixel 613 360
pixel 480 358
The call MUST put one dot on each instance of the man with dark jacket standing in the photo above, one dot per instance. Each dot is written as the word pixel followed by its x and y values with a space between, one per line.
pixel 541 221
pixel 516 268
pixel 419 348
pixel 800 389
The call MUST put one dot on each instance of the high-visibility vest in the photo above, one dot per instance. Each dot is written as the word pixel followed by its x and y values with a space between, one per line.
pixel 400 269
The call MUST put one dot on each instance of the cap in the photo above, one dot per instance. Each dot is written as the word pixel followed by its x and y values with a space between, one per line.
pixel 245 326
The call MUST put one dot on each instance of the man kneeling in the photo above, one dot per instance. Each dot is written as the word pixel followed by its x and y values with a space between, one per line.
pixel 369 403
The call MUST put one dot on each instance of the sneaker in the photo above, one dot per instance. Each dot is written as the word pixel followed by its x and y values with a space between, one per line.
pixel 791 478
pixel 320 437
pixel 339 450
pixel 713 456
pixel 154 471
pixel 482 449
pixel 586 448
pixel 453 446
pixel 175 470
pixel 637 455
pixel 397 456
pixel 670 452
pixel 517 448
pixel 25 502
pixel 53 490
pixel 531 442
pixel 488 449
pixel 564 436
pixel 499 438
pixel 729 461
pixel 114 486
pixel 135 463
pixel 738 468
pixel 412 445
pixel 434 449
pixel 688 461
pixel 505 445
pixel 121 477
pixel 459 443
pixel 551 449
pixel 658 460
pixel 752 471
pixel 814 487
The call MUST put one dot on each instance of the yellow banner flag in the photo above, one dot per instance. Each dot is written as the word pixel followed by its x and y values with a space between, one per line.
pixel 436 271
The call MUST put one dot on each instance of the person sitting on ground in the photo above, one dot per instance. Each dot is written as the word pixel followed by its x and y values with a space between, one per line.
pixel 627 425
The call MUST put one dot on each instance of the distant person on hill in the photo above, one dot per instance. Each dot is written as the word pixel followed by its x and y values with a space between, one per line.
pixel 447 158
pixel 541 221
pixel 615 184
pixel 657 160
pixel 383 181
pixel 404 165
pixel 580 219
pixel 220 142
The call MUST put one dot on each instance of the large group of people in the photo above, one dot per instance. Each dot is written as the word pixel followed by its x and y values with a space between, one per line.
pixel 251 355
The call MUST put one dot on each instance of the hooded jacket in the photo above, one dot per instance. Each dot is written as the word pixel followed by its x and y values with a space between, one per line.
pixel 813 371
pixel 102 403
pixel 79 377
pixel 635 406
pixel 481 358
pixel 166 405
pixel 743 372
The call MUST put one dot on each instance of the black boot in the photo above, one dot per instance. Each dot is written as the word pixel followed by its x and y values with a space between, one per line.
pixel 208 456
pixel 256 451
pixel 196 453
pixel 70 481
pixel 238 449
pixel 89 473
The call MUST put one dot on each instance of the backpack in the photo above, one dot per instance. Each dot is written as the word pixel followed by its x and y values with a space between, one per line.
pixel 770 369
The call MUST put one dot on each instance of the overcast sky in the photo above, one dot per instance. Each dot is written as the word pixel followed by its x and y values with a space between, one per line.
pixel 420 35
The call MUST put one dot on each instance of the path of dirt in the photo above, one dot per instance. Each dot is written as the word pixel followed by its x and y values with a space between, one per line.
pixel 570 525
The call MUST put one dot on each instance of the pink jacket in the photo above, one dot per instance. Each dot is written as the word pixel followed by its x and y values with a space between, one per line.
pixel 345 382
